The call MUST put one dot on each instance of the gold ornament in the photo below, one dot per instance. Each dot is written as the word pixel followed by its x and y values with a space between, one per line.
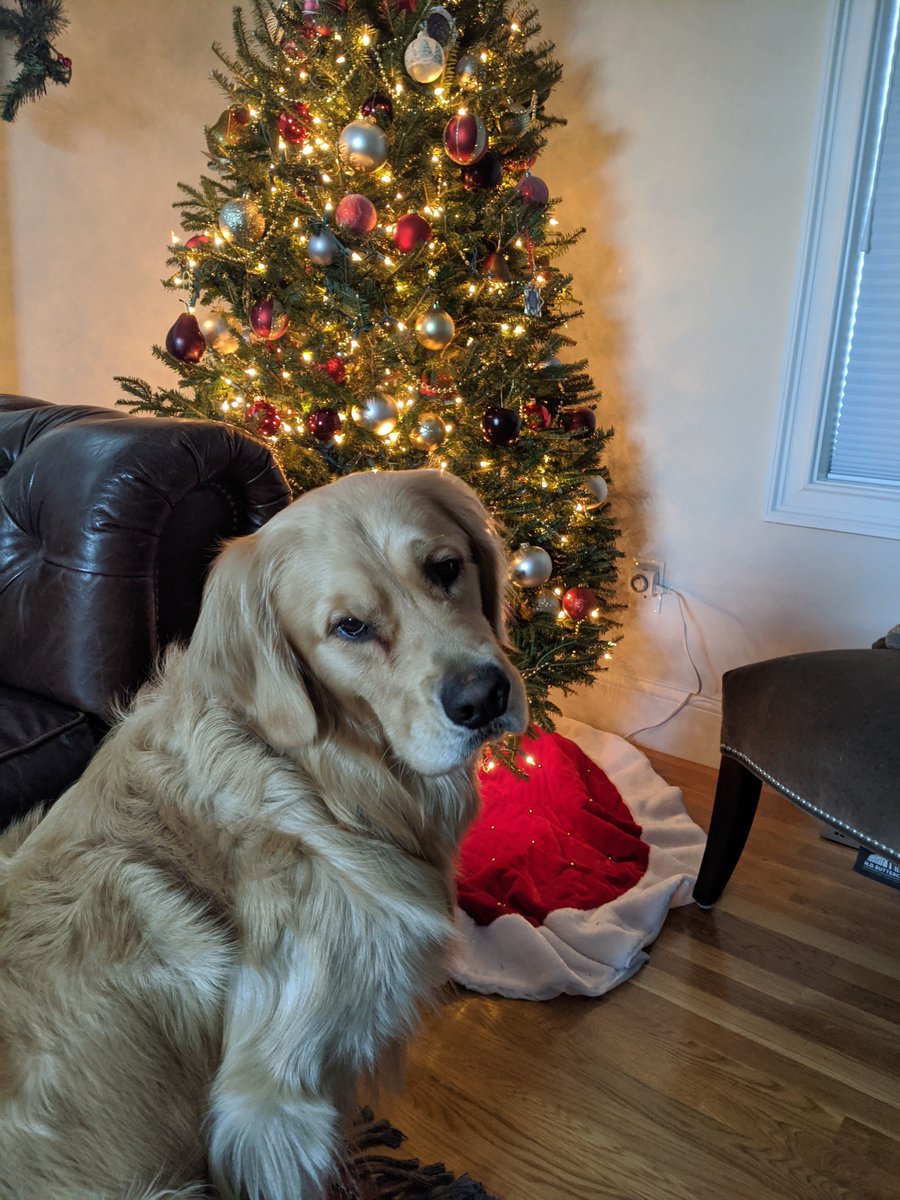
pixel 376 413
pixel 230 129
pixel 241 222
pixel 222 332
pixel 429 432
pixel 435 329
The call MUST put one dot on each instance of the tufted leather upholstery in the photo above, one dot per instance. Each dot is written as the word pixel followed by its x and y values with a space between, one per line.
pixel 108 523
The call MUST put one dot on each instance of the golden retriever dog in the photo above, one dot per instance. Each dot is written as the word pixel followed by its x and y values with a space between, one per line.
pixel 241 906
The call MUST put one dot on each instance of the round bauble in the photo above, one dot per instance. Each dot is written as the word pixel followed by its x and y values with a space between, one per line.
pixel 530 566
pixel 379 107
pixel 440 25
pixel 323 424
pixel 537 415
pixel 579 422
pixel 222 332
pixel 533 190
pixel 199 239
pixel 549 365
pixel 496 267
pixel 293 125
pixel 268 319
pixel 424 59
pixel 334 368
pixel 466 71
pixel 486 173
pixel 356 214
pixel 579 602
pixel 500 426
pixel 376 413
pixel 465 138
pixel 363 146
pixel 241 221
pixel 320 14
pixel 516 120
pixel 428 432
pixel 322 247
pixel 435 329
pixel 228 131
pixel 185 340
pixel 411 231
pixel 264 417
pixel 546 602
pixel 597 490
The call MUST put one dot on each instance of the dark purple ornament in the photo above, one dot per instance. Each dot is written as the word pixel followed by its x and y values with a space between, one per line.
pixel 185 340
pixel 580 422
pixel 379 106
pixel 500 426
pixel 486 173
pixel 323 424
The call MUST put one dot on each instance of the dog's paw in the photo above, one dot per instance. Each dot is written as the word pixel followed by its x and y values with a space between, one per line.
pixel 281 1150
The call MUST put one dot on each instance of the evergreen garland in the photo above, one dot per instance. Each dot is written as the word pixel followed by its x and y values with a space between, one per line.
pixel 33 25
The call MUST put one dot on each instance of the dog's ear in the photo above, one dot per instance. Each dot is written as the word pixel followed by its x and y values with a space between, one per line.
pixel 488 549
pixel 240 652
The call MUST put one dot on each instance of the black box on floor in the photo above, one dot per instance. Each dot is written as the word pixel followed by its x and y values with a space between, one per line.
pixel 876 866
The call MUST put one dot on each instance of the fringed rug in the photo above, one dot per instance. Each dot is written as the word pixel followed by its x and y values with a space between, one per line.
pixel 371 1174
pixel 566 877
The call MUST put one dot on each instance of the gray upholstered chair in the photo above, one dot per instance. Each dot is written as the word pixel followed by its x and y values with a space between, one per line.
pixel 824 730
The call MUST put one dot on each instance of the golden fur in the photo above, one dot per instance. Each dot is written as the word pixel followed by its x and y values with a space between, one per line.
pixel 242 904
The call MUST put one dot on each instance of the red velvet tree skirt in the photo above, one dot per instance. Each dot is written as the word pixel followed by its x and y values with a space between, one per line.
pixel 567 876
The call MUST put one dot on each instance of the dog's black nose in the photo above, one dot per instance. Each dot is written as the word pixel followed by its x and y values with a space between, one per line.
pixel 476 697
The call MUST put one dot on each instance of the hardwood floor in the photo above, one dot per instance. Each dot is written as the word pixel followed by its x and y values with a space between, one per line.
pixel 755 1057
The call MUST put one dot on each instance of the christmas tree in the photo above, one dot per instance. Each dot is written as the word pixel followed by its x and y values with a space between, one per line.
pixel 372 283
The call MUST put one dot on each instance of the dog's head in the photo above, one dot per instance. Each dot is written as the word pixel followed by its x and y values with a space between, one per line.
pixel 379 600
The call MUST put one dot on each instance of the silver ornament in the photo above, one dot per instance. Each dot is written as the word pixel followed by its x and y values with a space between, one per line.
pixel 435 329
pixel 424 59
pixel 548 364
pixel 597 490
pixel 323 247
pixel 546 602
pixel 222 332
pixel 363 145
pixel 531 566
pixel 429 432
pixel 241 221
pixel 466 71
pixel 377 413
pixel 516 120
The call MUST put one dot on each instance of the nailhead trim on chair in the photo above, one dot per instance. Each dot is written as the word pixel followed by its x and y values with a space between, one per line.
pixel 805 804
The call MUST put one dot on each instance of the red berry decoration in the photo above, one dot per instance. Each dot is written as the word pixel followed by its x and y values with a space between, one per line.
pixel 411 231
pixel 533 190
pixel 268 319
pixel 356 214
pixel 580 422
pixel 465 139
pixel 199 239
pixel 486 173
pixel 579 602
pixel 500 426
pixel 293 125
pixel 537 415
pixel 323 424
pixel 334 368
pixel 185 340
pixel 265 417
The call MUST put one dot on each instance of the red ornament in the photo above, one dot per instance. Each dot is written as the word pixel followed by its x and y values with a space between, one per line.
pixel 580 422
pixel 411 231
pixel 380 107
pixel 500 426
pixel 533 190
pixel 356 214
pixel 199 239
pixel 323 424
pixel 268 319
pixel 579 602
pixel 537 415
pixel 318 14
pixel 293 126
pixel 465 139
pixel 185 340
pixel 265 417
pixel 334 368
pixel 440 383
pixel 486 173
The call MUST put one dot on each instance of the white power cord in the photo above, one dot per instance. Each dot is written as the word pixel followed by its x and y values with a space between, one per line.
pixel 690 695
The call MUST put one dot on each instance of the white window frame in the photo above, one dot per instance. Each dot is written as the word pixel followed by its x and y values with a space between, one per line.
pixel 854 78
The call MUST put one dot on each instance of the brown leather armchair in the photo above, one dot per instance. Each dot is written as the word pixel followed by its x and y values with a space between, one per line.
pixel 108 524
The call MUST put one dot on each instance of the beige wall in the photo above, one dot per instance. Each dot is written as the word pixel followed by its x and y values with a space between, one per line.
pixel 686 157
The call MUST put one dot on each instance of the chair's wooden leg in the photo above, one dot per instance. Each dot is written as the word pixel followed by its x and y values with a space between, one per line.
pixel 737 795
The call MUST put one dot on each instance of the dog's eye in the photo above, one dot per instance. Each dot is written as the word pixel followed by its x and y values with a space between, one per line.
pixel 444 572
pixel 353 629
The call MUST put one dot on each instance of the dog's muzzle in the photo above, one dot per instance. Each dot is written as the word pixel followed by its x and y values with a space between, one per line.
pixel 476 697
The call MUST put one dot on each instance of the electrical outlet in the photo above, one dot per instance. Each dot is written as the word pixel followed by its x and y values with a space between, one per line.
pixel 647 583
